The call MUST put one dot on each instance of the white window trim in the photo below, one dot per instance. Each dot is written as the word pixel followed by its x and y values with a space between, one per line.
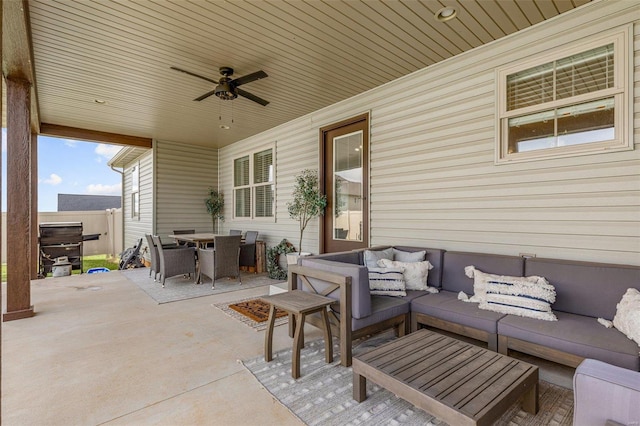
pixel 135 190
pixel 622 93
pixel 252 215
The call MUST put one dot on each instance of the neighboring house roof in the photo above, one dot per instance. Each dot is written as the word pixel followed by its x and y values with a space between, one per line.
pixel 79 202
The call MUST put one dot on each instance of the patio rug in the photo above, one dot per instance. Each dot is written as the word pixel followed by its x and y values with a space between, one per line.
pixel 255 309
pixel 323 395
pixel 181 288
pixel 227 308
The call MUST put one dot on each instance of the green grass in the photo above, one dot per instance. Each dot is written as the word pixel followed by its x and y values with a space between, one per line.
pixel 88 262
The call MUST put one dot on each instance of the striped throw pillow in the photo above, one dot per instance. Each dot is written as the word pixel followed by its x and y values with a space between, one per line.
pixel 520 296
pixel 387 282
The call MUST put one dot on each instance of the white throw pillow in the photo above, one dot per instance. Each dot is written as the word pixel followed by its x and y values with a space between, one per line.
pixel 408 256
pixel 386 282
pixel 371 257
pixel 529 297
pixel 481 279
pixel 627 318
pixel 415 273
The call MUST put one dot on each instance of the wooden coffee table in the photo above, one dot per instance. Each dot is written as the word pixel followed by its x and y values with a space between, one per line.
pixel 455 381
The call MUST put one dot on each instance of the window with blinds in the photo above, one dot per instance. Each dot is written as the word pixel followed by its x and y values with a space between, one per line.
pixel 263 183
pixel 241 187
pixel 254 186
pixel 570 104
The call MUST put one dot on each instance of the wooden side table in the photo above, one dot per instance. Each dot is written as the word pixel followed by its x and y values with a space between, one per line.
pixel 299 304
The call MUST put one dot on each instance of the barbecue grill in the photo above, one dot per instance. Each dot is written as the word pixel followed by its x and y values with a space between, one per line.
pixel 58 239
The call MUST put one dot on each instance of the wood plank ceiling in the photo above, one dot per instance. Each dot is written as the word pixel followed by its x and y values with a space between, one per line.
pixel 315 52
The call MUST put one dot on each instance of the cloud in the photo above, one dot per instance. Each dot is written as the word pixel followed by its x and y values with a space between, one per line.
pixel 100 189
pixel 53 179
pixel 4 140
pixel 107 151
pixel 70 143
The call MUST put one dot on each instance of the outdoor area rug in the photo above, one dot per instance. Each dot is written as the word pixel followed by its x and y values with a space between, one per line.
pixel 181 288
pixel 323 395
pixel 255 309
pixel 231 309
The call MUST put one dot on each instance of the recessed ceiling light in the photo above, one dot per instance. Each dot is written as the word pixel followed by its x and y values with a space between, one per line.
pixel 100 101
pixel 446 13
pixel 223 127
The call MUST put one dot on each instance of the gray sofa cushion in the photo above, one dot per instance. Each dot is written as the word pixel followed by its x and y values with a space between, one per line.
pixel 585 288
pixel 576 334
pixel 454 278
pixel 360 297
pixel 446 306
pixel 382 308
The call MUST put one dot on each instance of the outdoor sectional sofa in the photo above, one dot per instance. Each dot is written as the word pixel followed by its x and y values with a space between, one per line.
pixel 585 291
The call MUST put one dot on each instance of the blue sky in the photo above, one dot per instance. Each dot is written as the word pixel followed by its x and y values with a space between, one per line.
pixel 68 167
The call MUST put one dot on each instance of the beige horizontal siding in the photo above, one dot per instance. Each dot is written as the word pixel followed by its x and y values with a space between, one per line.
pixel 136 228
pixel 183 175
pixel 433 180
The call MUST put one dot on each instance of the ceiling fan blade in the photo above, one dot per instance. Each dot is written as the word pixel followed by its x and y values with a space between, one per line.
pixel 205 96
pixel 252 97
pixel 249 78
pixel 195 75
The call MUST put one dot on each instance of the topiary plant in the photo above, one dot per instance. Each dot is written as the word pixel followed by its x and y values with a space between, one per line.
pixel 308 202
pixel 215 206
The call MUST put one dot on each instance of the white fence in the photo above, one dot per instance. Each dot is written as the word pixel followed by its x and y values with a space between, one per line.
pixel 107 223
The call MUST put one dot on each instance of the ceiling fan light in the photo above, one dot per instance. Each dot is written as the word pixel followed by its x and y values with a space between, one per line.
pixel 225 92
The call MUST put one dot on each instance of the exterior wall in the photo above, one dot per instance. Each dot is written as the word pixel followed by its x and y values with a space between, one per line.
pixel 106 223
pixel 183 175
pixel 433 180
pixel 135 228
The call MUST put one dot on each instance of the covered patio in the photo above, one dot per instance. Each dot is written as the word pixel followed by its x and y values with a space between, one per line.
pixel 95 349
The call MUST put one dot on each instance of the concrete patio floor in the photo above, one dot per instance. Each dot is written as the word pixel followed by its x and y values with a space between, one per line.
pixel 100 351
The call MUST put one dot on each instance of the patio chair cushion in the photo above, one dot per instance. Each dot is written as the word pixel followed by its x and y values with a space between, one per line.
pixel 446 306
pixel 575 334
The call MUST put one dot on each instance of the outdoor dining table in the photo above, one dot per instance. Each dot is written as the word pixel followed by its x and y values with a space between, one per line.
pixel 200 239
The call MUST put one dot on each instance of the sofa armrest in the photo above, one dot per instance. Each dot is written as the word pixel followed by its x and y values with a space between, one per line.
pixel 360 295
pixel 603 392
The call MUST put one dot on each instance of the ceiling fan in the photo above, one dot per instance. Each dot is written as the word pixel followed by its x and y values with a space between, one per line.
pixel 227 88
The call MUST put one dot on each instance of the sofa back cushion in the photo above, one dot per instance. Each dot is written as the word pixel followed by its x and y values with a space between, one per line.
pixel 434 256
pixel 341 256
pixel 585 288
pixel 360 297
pixel 455 279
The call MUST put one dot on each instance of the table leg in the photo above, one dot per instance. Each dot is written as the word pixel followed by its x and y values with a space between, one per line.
pixel 298 343
pixel 328 343
pixel 530 400
pixel 268 336
pixel 359 387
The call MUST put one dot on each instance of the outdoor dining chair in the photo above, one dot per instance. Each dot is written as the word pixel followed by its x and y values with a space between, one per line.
pixel 177 261
pixel 235 232
pixel 154 268
pixel 223 260
pixel 182 232
pixel 248 249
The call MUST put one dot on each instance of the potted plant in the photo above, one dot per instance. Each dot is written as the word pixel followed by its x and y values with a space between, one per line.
pixel 308 203
pixel 215 206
